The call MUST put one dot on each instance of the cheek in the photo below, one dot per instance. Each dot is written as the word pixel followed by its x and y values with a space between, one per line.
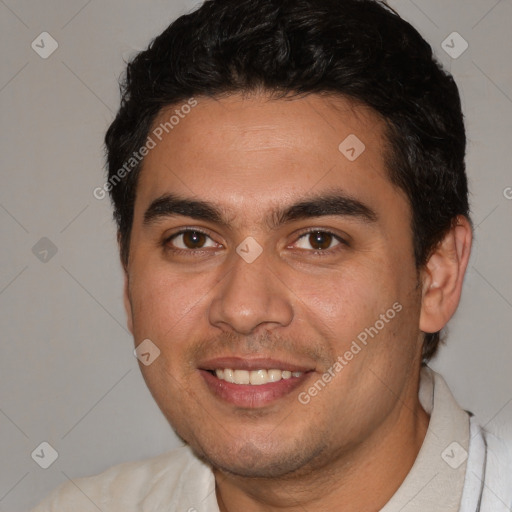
pixel 344 303
pixel 163 300
pixel 367 313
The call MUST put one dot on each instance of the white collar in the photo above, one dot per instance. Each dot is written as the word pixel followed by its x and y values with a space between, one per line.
pixel 436 479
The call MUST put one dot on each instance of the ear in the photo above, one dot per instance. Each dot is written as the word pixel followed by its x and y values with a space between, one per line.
pixel 443 275
pixel 126 289
pixel 127 304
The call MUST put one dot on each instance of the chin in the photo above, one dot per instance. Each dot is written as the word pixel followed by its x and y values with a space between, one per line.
pixel 251 461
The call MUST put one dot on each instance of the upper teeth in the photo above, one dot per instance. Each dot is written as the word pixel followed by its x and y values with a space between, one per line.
pixel 254 377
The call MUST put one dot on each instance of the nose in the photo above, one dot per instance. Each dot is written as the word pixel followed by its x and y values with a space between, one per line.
pixel 251 297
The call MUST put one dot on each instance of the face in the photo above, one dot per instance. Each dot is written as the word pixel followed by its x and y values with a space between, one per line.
pixel 265 257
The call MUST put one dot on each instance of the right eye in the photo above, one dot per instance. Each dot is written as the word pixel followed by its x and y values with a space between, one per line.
pixel 188 240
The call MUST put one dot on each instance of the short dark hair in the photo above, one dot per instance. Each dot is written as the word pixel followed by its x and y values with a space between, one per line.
pixel 358 49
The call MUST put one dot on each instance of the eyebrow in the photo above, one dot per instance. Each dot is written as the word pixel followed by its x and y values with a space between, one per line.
pixel 326 204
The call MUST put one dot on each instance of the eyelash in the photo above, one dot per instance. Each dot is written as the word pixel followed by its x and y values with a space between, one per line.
pixel 324 252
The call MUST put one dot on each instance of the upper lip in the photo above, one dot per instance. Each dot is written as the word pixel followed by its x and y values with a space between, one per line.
pixel 244 363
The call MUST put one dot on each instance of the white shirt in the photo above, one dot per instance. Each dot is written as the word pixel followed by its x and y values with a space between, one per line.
pixel 459 468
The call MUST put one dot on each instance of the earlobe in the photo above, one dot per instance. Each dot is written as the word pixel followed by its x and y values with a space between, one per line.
pixel 443 276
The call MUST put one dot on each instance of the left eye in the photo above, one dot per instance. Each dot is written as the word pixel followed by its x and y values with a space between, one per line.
pixel 318 240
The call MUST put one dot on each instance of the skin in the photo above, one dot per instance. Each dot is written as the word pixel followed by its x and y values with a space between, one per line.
pixel 353 444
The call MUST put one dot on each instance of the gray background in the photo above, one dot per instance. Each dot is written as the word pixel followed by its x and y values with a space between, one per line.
pixel 68 375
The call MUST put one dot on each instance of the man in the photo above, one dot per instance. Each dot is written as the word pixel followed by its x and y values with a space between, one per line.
pixel 289 187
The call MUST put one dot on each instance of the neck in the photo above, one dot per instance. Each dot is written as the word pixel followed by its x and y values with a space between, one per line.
pixel 362 478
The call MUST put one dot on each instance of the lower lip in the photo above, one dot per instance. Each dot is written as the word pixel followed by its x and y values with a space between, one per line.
pixel 249 396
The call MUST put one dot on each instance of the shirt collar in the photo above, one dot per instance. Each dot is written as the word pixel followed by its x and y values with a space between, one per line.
pixel 436 480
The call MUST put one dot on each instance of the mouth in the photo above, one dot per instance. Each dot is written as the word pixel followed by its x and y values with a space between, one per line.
pixel 252 384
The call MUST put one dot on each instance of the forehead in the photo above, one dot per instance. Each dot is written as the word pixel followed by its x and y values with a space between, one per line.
pixel 258 151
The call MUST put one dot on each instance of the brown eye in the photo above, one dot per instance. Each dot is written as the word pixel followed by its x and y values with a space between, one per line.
pixel 193 239
pixel 190 239
pixel 318 240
